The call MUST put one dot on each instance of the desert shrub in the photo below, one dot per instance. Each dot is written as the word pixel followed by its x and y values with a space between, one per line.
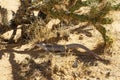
pixel 65 10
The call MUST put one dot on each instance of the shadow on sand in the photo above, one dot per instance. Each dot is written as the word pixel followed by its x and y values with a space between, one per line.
pixel 44 67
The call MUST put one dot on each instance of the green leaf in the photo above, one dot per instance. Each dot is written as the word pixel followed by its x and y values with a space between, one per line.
pixel 78 4
pixel 102 30
pixel 81 18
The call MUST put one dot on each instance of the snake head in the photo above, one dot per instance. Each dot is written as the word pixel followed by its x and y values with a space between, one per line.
pixel 40 44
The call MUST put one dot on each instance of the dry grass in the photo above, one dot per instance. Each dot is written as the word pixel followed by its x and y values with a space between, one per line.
pixel 20 62
pixel 39 32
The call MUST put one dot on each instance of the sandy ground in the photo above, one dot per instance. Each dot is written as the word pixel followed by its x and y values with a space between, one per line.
pixel 16 63
pixel 10 5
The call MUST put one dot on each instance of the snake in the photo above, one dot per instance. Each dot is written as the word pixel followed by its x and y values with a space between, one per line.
pixel 63 48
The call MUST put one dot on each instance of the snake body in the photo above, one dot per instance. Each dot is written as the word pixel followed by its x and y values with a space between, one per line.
pixel 63 48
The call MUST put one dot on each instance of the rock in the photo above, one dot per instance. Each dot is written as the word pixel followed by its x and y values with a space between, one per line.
pixel 52 22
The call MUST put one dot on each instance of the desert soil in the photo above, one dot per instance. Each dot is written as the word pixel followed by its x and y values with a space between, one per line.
pixel 17 62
